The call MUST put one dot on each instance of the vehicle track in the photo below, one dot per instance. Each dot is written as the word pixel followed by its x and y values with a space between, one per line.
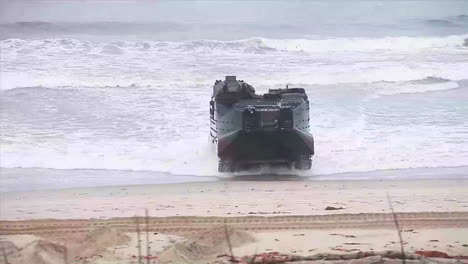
pixel 188 224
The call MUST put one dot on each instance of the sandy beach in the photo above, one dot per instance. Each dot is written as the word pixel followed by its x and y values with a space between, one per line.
pixel 233 132
pixel 191 222
pixel 239 198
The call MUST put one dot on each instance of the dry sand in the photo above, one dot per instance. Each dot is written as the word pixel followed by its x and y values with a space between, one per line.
pixel 288 217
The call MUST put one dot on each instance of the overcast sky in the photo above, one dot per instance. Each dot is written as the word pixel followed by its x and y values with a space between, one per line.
pixel 228 11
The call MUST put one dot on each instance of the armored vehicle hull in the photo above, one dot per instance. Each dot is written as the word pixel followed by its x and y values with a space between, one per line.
pixel 250 129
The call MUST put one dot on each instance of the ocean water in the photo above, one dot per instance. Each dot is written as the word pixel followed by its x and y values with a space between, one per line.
pixel 125 86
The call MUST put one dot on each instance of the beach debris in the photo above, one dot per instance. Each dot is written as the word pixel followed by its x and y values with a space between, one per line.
pixel 333 257
pixel 333 208
pixel 359 257
pixel 270 257
pixel 433 240
pixel 439 254
pixel 432 254
pixel 344 249
pixel 262 258
pixel 349 236
pixel 268 213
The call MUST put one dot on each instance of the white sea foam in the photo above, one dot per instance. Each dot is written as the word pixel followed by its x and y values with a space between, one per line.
pixel 399 44
pixel 382 103
pixel 69 62
pixel 407 44
pixel 185 157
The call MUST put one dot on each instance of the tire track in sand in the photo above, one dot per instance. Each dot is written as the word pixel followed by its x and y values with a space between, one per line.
pixel 187 224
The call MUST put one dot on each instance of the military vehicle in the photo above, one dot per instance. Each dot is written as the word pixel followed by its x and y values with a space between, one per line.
pixel 250 130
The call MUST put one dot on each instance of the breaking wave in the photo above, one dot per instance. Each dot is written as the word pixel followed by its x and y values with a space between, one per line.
pixel 249 45
pixel 366 44
pixel 28 63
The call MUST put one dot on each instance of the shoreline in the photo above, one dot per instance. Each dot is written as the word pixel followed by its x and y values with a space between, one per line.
pixel 42 179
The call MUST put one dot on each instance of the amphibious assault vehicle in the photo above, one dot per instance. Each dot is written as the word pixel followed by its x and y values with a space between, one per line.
pixel 250 129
